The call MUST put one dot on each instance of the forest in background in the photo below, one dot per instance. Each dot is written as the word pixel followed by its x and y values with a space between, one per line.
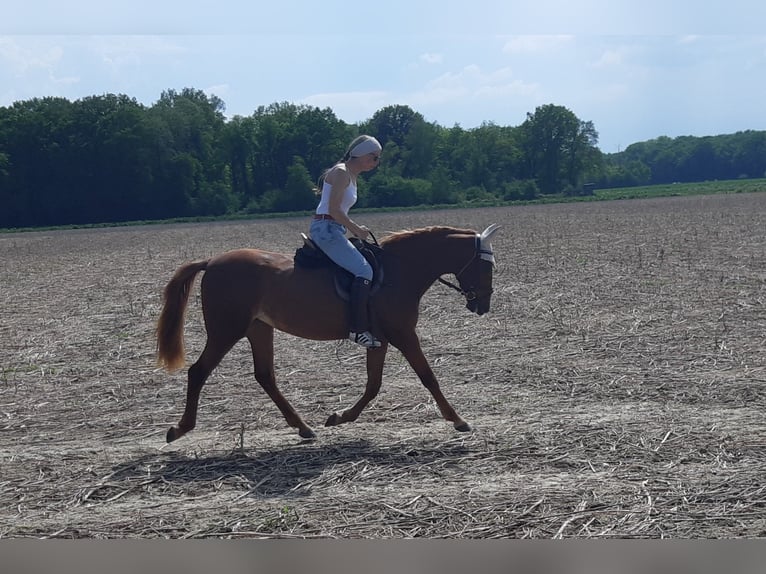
pixel 111 159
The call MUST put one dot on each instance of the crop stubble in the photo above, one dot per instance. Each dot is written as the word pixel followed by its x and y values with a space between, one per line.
pixel 617 388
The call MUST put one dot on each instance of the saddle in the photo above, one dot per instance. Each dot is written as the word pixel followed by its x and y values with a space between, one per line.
pixel 310 256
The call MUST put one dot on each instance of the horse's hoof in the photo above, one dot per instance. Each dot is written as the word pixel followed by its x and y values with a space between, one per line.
pixel 463 427
pixel 334 420
pixel 173 434
pixel 307 434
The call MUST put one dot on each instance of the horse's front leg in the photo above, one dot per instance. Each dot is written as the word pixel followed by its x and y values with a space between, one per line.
pixel 409 345
pixel 375 360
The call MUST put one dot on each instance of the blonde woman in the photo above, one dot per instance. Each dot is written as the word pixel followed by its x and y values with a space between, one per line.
pixel 331 223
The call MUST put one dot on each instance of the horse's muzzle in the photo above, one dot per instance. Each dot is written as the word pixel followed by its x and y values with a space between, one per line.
pixel 478 306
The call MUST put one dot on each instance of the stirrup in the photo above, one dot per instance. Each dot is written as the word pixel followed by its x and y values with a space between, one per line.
pixel 365 339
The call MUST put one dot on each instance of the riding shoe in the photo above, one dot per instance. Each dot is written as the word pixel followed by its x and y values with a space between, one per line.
pixel 365 339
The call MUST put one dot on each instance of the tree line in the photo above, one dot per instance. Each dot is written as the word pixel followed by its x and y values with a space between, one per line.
pixel 111 159
pixel 687 159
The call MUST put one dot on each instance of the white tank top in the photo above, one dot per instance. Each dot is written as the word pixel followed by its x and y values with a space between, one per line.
pixel 346 202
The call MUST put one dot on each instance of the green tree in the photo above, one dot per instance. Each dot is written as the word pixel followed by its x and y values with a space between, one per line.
pixel 298 193
pixel 7 200
pixel 393 124
pixel 110 161
pixel 748 158
pixel 35 139
pixel 282 131
pixel 688 158
pixel 443 188
pixel 191 162
pixel 237 146
pixel 108 158
pixel 397 191
pixel 558 147
pixel 496 156
pixel 418 151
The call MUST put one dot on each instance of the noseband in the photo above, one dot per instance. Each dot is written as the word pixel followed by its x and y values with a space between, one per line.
pixel 472 293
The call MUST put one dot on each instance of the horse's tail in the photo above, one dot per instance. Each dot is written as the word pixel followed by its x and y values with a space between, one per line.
pixel 170 327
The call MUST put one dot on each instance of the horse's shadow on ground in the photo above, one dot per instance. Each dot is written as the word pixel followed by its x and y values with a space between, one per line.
pixel 292 470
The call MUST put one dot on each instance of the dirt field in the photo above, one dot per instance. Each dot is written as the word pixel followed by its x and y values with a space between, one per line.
pixel 616 389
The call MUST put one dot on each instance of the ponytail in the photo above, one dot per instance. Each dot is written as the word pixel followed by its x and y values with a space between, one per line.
pixel 359 144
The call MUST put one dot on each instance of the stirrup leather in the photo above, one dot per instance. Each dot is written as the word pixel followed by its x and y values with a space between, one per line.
pixel 365 339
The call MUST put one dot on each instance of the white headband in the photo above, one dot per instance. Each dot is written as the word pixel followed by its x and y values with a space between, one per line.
pixel 369 145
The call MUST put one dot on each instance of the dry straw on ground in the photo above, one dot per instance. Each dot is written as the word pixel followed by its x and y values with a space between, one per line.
pixel 617 389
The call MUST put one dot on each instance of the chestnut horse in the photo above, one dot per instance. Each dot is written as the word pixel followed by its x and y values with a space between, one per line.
pixel 249 293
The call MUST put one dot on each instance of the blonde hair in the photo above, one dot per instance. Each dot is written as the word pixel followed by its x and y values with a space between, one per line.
pixel 360 145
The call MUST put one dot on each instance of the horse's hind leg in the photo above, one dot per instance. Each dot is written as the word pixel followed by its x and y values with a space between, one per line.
pixel 261 337
pixel 198 373
pixel 375 360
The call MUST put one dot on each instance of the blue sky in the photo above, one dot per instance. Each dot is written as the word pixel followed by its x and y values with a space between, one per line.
pixel 637 70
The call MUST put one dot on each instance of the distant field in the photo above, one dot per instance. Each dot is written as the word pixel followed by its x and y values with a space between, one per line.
pixel 617 388
pixel 670 190
pixel 676 189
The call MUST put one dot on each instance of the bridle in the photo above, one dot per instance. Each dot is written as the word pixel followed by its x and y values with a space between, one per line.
pixel 472 293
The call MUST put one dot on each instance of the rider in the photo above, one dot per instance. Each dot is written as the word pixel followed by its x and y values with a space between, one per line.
pixel 331 222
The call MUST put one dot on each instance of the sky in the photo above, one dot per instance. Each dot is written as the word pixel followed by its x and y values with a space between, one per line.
pixel 636 69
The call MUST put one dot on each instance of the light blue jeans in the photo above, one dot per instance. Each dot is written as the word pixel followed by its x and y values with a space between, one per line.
pixel 330 236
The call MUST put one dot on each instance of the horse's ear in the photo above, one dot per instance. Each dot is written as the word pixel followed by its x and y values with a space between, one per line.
pixel 487 233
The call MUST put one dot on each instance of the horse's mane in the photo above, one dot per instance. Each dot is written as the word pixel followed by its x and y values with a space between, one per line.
pixel 402 237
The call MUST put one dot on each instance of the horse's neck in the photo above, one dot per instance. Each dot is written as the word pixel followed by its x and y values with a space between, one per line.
pixel 429 257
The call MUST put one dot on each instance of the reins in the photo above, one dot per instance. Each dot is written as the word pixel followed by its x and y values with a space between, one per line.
pixel 469 295
pixel 456 288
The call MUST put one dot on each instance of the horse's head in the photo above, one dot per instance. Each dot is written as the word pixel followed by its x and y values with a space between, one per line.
pixel 475 278
pixel 426 254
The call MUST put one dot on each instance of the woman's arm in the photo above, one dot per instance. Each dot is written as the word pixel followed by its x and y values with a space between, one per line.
pixel 339 180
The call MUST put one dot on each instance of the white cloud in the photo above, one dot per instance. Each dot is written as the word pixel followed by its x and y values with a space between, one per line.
pixel 33 67
pixel 430 58
pixel 514 88
pixel 220 90
pixel 464 87
pixel 471 81
pixel 30 55
pixel 350 107
pixel 494 95
pixel 118 52
pixel 63 80
pixel 609 58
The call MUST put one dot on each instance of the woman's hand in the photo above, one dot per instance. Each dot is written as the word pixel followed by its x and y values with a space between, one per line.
pixel 361 232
